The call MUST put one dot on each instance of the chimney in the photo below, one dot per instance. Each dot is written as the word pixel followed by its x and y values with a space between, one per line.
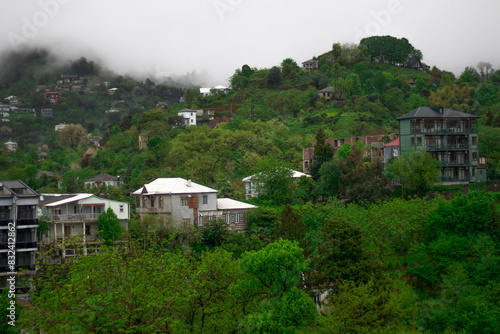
pixel 189 182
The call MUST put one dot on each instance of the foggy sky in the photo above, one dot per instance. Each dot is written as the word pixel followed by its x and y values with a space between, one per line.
pixel 211 38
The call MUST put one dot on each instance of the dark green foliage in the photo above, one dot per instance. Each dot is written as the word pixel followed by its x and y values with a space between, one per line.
pixel 323 152
pixel 274 76
pixel 290 226
pixel 465 215
pixel 5 327
pixel 341 257
pixel 215 232
pixel 388 49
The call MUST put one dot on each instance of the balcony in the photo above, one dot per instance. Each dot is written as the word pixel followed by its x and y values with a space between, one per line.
pixel 27 221
pixel 449 131
pixel 447 147
pixel 75 217
pixel 148 210
pixel 455 163
pixel 455 179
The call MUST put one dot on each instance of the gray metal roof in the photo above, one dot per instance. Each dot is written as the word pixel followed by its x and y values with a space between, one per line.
pixel 428 112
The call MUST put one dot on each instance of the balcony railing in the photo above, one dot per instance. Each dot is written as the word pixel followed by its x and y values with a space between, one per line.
pixel 431 147
pixel 453 131
pixel 27 221
pixel 75 217
pixel 455 163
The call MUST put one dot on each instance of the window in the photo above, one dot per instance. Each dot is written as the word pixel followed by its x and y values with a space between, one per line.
pixel 160 201
pixel 473 172
pixel 413 142
pixel 87 230
pixel 184 201
pixel 205 199
pixel 152 200
pixel 121 208
pixel 75 209
pixel 144 201
pixel 419 141
pixel 67 230
pixel 200 221
pixel 237 218
pixel 474 140
pixel 474 156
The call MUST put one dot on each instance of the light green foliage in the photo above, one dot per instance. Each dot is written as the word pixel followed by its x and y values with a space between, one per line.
pixel 109 226
pixel 274 184
pixel 416 169
pixel 276 270
pixel 344 151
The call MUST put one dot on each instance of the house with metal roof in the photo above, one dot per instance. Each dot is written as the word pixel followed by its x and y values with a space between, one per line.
pixel 103 180
pixel 184 200
pixel 73 221
pixel 451 136
pixel 251 185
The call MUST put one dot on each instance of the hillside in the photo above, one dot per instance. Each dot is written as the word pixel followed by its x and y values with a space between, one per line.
pixel 266 119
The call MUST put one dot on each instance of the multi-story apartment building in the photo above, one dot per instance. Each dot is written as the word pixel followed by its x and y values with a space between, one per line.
pixel 18 204
pixel 451 136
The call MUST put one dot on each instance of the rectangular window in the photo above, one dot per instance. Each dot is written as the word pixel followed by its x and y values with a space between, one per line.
pixel 237 218
pixel 474 140
pixel 474 156
pixel 160 204
pixel 184 201
pixel 228 218
pixel 121 208
pixel 473 172
pixel 152 199
pixel 67 230
pixel 205 199
pixel 74 209
pixel 200 221
pixel 87 230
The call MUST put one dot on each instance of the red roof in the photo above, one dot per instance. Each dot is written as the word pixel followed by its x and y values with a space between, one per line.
pixel 393 143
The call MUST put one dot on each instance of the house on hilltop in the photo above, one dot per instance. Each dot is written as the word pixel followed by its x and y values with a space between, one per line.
pixel 310 65
pixel 188 115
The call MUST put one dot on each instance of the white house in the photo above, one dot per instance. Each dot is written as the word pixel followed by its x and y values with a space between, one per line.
pixel 184 200
pixel 11 146
pixel 103 179
pixel 188 115
pixel 74 217
pixel 250 186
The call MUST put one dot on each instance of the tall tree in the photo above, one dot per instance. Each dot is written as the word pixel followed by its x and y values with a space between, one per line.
pixel 109 226
pixel 416 169
pixel 323 152
pixel 290 226
pixel 73 135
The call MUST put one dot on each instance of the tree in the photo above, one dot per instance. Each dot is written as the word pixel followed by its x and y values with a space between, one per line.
pixel 323 152
pixel 330 180
pixel 109 226
pixel 416 169
pixel 274 76
pixel 289 69
pixel 274 273
pixel 388 49
pixel 192 98
pixel 290 226
pixel 363 181
pixel 274 184
pixel 469 76
pixel 341 257
pixel 73 135
pixel 215 233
